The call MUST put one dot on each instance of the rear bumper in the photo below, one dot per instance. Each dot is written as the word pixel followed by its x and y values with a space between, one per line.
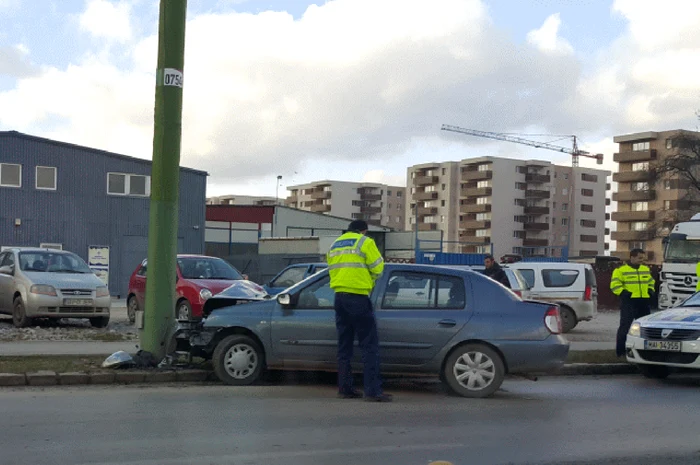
pixel 42 306
pixel 535 356
pixel 688 357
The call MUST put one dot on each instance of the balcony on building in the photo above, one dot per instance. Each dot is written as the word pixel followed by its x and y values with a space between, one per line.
pixel 370 210
pixel 320 195
pixel 425 196
pixel 425 180
pixel 633 216
pixel 424 211
pixel 476 191
pixel 632 235
pixel 427 226
pixel 634 196
pixel 471 238
pixel 536 226
pixel 370 196
pixel 536 178
pixel 632 156
pixel 537 210
pixel 632 176
pixel 475 224
pixel 625 255
pixel 537 194
pixel 476 175
pixel 535 242
pixel 320 208
pixel 475 208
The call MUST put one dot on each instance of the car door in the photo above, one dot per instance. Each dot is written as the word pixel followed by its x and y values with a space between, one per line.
pixel 418 314
pixel 305 331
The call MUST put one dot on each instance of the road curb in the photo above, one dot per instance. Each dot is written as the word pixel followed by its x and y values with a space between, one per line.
pixel 50 378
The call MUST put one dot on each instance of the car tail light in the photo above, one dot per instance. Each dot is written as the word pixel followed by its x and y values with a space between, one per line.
pixel 552 320
pixel 518 293
pixel 588 294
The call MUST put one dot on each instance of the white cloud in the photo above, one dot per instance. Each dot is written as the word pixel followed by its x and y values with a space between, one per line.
pixel 379 176
pixel 14 62
pixel 266 94
pixel 547 39
pixel 110 20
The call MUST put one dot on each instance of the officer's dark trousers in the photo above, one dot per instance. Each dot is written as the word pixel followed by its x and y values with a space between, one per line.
pixel 630 310
pixel 354 316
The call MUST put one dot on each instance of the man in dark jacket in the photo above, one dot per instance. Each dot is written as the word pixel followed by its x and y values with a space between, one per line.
pixel 494 271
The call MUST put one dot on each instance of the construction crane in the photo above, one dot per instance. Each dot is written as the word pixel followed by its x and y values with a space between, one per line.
pixel 574 152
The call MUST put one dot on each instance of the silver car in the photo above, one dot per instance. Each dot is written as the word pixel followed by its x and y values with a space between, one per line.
pixel 46 283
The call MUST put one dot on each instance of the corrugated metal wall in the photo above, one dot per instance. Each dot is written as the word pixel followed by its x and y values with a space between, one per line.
pixel 80 213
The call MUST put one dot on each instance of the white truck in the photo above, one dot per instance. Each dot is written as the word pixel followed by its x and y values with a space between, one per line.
pixel 681 256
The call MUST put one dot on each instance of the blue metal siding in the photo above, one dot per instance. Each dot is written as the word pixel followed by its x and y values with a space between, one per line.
pixel 80 213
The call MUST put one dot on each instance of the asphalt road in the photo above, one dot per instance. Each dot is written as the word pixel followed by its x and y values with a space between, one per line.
pixel 557 420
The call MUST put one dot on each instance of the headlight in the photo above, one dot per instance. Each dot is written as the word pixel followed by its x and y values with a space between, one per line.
pixel 102 291
pixel 635 330
pixel 43 289
pixel 663 298
pixel 205 294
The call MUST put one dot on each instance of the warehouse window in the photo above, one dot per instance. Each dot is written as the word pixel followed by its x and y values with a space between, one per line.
pixel 128 184
pixel 10 175
pixel 46 178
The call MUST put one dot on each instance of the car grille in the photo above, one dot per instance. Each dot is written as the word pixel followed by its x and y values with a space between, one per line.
pixel 76 292
pixel 667 357
pixel 76 310
pixel 676 334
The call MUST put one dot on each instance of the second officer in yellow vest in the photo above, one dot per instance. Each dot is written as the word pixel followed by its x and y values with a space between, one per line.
pixel 635 286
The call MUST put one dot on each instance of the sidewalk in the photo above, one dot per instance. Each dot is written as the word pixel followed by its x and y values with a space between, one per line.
pixel 107 348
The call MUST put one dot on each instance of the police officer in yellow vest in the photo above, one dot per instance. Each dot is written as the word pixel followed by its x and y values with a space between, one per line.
pixel 633 283
pixel 354 264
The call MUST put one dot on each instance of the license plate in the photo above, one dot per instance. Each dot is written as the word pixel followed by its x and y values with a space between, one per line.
pixel 78 302
pixel 670 346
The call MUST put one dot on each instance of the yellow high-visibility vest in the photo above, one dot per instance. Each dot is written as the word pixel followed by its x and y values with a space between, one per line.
pixel 354 264
pixel 637 282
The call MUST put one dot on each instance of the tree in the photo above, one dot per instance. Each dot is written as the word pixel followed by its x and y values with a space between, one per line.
pixel 679 170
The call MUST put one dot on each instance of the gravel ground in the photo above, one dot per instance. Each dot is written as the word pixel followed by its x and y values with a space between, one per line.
pixel 72 329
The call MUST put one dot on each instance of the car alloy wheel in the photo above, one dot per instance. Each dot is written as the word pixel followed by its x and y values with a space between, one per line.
pixel 238 360
pixel 474 370
pixel 131 309
pixel 184 311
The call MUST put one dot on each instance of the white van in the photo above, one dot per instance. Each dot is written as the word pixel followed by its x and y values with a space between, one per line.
pixel 571 285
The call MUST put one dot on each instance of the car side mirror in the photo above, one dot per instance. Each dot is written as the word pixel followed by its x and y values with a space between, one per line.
pixel 10 270
pixel 245 276
pixel 284 300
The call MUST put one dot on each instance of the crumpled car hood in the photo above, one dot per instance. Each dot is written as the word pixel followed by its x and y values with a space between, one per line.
pixel 239 292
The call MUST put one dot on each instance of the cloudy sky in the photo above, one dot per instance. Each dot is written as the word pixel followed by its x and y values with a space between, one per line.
pixel 351 89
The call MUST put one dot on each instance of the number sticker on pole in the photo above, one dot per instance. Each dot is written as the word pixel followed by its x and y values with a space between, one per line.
pixel 172 77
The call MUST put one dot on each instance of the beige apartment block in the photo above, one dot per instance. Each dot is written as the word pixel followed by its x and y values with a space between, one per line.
pixel 647 209
pixel 527 207
pixel 377 204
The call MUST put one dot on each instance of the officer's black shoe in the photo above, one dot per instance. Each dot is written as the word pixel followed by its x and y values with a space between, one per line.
pixel 380 398
pixel 349 395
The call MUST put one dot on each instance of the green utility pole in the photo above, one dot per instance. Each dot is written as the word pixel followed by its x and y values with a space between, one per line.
pixel 159 315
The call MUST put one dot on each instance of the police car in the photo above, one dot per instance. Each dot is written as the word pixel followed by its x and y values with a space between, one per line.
pixel 666 340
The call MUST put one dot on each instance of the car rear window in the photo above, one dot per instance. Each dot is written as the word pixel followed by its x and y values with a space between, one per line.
pixel 590 278
pixel 529 276
pixel 559 278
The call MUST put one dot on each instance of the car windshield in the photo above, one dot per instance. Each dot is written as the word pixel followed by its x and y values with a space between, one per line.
pixel 692 301
pixel 52 262
pixel 682 250
pixel 207 268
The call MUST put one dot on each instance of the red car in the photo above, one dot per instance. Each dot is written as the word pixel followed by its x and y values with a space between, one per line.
pixel 198 278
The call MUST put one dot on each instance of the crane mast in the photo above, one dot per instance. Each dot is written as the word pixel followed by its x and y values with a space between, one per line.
pixel 574 152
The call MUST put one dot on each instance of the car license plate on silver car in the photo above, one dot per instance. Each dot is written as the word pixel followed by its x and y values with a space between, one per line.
pixel 670 346
pixel 77 302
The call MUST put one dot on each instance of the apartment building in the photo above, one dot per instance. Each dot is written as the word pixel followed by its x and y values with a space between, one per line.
pixel 527 207
pixel 434 200
pixel 378 204
pixel 647 210
pixel 243 200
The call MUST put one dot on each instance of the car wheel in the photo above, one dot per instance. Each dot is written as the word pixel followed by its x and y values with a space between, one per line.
pixel 132 306
pixel 654 371
pixel 568 319
pixel 19 314
pixel 474 370
pixel 183 311
pixel 238 360
pixel 99 322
